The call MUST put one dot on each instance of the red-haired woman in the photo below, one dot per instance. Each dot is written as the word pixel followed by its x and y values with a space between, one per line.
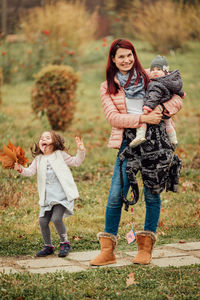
pixel 122 97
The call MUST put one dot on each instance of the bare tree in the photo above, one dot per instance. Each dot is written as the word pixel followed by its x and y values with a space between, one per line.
pixel 4 17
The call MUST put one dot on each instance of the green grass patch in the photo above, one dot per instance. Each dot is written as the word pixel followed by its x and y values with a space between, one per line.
pixel 105 283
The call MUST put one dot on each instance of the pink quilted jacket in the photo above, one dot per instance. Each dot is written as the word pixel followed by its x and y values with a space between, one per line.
pixel 114 107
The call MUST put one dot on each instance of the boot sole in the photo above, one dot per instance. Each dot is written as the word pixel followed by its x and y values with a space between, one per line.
pixel 141 263
pixel 63 255
pixel 43 255
pixel 103 264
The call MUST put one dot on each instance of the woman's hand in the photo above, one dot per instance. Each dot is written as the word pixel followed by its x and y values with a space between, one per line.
pixel 79 143
pixel 153 117
pixel 17 167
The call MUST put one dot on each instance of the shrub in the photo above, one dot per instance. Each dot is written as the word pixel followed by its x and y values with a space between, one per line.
pixel 163 25
pixel 60 25
pixel 54 94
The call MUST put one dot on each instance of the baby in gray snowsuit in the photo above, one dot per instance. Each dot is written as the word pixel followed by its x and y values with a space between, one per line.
pixel 162 87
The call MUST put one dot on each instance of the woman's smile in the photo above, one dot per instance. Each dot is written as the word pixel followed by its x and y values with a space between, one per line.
pixel 124 60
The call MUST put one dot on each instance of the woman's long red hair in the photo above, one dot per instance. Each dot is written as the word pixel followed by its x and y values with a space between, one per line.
pixel 111 68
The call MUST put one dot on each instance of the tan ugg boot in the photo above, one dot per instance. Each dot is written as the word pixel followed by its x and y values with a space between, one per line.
pixel 145 241
pixel 108 244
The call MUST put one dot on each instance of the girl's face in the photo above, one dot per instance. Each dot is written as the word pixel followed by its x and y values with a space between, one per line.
pixel 45 143
pixel 157 72
pixel 124 60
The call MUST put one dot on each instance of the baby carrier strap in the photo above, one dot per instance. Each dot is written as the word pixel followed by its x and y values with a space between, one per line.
pixel 132 179
pixel 174 174
pixel 159 167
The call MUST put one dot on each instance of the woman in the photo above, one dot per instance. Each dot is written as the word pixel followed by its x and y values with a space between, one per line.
pixel 122 99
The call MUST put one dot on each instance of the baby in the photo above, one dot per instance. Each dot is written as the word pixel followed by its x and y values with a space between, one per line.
pixel 161 88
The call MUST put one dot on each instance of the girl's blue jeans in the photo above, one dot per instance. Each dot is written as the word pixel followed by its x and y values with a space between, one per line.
pixel 114 204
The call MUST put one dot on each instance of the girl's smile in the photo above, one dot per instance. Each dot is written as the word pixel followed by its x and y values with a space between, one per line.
pixel 45 143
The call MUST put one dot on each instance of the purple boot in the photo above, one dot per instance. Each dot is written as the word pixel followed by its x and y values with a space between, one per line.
pixel 64 249
pixel 47 250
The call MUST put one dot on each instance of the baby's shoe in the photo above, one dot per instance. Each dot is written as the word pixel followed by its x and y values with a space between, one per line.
pixel 64 249
pixel 173 138
pixel 137 141
pixel 174 145
pixel 140 137
pixel 47 250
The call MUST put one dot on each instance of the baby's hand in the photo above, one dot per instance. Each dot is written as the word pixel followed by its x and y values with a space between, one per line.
pixel 17 167
pixel 79 143
pixel 145 112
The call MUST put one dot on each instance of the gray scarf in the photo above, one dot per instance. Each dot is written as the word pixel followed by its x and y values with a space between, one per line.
pixel 132 91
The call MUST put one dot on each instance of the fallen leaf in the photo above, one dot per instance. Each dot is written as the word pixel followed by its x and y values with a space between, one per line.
pixel 161 233
pixel 77 238
pixel 130 279
pixel 19 298
pixel 188 185
pixel 160 223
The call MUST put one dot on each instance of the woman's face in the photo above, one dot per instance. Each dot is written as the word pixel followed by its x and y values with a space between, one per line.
pixel 45 143
pixel 124 60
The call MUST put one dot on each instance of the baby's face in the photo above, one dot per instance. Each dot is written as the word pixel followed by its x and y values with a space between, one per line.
pixel 157 72
pixel 45 142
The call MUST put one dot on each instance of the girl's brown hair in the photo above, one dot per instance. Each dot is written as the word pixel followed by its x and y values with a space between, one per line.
pixel 57 142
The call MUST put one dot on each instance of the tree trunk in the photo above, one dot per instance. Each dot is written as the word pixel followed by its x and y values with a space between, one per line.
pixel 4 17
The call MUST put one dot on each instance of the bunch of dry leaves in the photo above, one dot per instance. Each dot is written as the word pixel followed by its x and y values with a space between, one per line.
pixel 12 154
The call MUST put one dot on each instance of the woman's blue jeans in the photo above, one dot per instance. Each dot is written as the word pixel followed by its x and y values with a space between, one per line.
pixel 114 204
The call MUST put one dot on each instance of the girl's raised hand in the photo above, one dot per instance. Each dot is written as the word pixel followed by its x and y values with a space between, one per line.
pixel 17 167
pixel 79 143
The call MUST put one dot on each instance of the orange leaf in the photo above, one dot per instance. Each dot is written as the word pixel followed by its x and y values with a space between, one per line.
pixel 76 238
pixel 7 162
pixel 11 146
pixel 12 154
pixel 22 160
pixel 160 223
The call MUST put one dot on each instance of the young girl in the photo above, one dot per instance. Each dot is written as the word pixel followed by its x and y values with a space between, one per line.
pixel 56 186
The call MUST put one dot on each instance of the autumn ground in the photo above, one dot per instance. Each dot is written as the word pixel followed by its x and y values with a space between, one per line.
pixel 19 230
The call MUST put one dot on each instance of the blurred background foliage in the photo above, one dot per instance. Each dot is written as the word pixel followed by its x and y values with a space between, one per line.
pixel 65 25
pixel 35 33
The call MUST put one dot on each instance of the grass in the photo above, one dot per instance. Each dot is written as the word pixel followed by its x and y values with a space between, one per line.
pixel 20 232
pixel 107 283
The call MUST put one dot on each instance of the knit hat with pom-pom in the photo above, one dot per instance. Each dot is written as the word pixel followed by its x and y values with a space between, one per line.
pixel 160 62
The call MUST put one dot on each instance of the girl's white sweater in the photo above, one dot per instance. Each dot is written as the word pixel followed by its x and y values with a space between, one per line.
pixel 60 162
